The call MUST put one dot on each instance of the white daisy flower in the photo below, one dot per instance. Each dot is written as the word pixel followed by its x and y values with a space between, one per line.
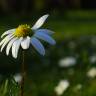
pixel 25 36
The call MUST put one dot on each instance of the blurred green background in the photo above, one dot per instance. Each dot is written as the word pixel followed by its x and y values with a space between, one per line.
pixel 74 24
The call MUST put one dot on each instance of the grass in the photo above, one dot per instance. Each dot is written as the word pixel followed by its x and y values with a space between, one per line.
pixel 73 29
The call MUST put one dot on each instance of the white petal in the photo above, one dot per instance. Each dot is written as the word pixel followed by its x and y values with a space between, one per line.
pixel 38 45
pixel 10 45
pixel 6 41
pixel 46 31
pixel 40 22
pixel 3 40
pixel 15 47
pixel 25 43
pixel 8 32
pixel 45 37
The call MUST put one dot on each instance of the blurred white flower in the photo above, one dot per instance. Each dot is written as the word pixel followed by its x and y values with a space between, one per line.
pixel 92 72
pixel 67 62
pixel 18 78
pixel 61 87
pixel 92 59
pixel 93 40
pixel 78 87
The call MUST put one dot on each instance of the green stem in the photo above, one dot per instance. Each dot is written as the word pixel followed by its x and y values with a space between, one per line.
pixel 5 87
pixel 23 74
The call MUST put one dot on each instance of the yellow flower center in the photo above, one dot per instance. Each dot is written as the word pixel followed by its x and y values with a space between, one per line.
pixel 23 31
